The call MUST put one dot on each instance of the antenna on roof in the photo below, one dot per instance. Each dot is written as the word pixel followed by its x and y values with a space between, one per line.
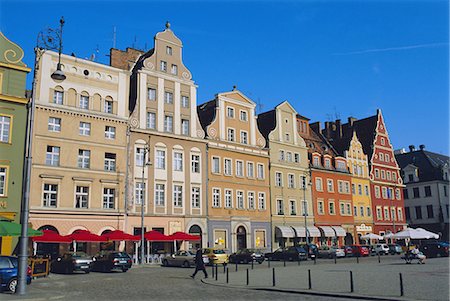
pixel 259 106
pixel 94 54
pixel 114 36
pixel 135 39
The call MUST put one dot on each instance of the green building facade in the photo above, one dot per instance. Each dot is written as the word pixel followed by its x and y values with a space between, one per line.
pixel 13 121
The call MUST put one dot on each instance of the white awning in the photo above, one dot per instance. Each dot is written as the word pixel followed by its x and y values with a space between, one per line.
pixel 328 231
pixel 299 231
pixel 284 231
pixel 340 232
pixel 313 231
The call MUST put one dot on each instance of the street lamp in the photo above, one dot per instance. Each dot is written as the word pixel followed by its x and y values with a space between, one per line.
pixel 145 150
pixel 305 205
pixel 46 40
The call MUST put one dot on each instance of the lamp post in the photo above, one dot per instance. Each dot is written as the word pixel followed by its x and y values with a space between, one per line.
pixel 145 150
pixel 47 40
pixel 305 208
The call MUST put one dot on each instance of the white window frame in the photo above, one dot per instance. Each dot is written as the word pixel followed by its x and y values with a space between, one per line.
pixel 160 195
pixel 243 115
pixel 178 161
pixel 185 101
pixel 109 198
pixel 231 134
pixel 216 198
pixel 178 196
pixel 84 102
pixel 244 137
pixel 230 112
pixel 185 127
pixel 151 94
pixel 250 170
pixel 110 132
pixel 82 197
pixel 110 163
pixel 228 195
pixel 195 197
pixel 168 97
pixel 84 129
pixel 3 181
pixel 227 167
pixel 58 97
pixel 52 157
pixel 260 171
pixel 239 168
pixel 5 128
pixel 160 156
pixel 261 200
pixel 168 124
pixel 54 124
pixel 139 192
pixel 52 190
pixel 84 158
pixel 251 200
pixel 240 199
pixel 215 164
pixel 195 163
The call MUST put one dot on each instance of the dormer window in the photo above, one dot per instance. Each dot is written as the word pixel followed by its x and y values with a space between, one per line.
pixel 327 163
pixel 163 66
pixel 168 50
pixel 316 161
pixel 174 69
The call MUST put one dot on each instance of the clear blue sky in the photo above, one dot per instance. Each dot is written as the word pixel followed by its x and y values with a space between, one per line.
pixel 328 58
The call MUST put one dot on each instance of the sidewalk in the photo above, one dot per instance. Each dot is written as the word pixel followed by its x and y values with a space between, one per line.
pixel 370 278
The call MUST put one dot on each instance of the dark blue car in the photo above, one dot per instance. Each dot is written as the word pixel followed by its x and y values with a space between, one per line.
pixel 9 267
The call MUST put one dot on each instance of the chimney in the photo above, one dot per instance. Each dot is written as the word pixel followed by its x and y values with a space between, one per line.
pixel 422 147
pixel 315 126
pixel 338 133
pixel 412 148
pixel 327 130
pixel 351 120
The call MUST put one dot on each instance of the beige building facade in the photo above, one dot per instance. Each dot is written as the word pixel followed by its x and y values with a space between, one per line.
pixel 79 146
pixel 292 217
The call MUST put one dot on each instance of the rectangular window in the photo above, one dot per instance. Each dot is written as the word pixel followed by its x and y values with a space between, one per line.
pixel 168 124
pixel 400 214
pixel 386 213
pixel 427 191
pixel 85 128
pixel 319 186
pixel 5 127
pixel 320 207
pixel 139 193
pixel 230 135
pixel 393 215
pixel 174 69
pixel 81 197
pixel 178 161
pixel 108 106
pixel 160 159
pixel 330 186
pixel 261 201
pixel 304 208
pixel 278 179
pixel 430 212
pixel 251 200
pixel 292 207
pixel 50 196
pixel 340 187
pixel 54 124
pixel 260 171
pixel 280 207
pixel 384 192
pixel 361 210
pixel 377 191
pixel 240 199
pixel 151 120
pixel 353 189
pixel 195 163
pixel 346 187
pixel 282 156
pixel 379 213
pixel 110 162
pixel 185 127
pixel 239 168
pixel 397 194
pixel 3 180
pixel 84 102
pixel 178 196
pixel 139 156
pixel 58 97
pixel 416 193
pixel 160 197
pixel 331 209
pixel 185 101
pixel 407 213
pixel 366 189
pixel 342 208
pixel 291 181
pixel 289 156
pixel 250 170
pixel 168 50
pixel 52 155
pixel 163 66
pixel 303 182
pixel 348 208
pixel 230 112
pixel 369 211
pixel 341 165
pixel 297 158
pixel 244 137
pixel 110 132
pixel 84 158
pixel 327 163
pixel 216 165
pixel 151 94
pixel 195 197
pixel 355 211
pixel 228 198
pixel 316 161
pixel 216 198
pixel 243 115
pixel 168 97
pixel 109 195
pixel 359 189
pixel 227 167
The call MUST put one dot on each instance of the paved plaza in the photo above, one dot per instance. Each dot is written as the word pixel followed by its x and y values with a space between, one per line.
pixel 329 280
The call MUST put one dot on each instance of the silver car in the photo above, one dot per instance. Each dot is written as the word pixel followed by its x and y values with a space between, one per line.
pixel 331 252
pixel 180 259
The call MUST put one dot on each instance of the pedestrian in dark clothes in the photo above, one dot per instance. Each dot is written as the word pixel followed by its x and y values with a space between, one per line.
pixel 199 264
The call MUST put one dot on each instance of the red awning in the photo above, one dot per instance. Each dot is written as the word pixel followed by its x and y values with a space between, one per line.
pixel 184 236
pixel 156 236
pixel 118 235
pixel 50 236
pixel 85 236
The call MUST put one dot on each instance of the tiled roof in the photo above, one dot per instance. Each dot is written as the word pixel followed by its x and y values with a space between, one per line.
pixel 429 164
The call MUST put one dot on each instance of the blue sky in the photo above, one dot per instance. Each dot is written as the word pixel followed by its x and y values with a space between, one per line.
pixel 328 58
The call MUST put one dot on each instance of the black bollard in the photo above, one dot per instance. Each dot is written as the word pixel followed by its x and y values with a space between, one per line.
pixel 252 264
pixel 247 277
pixel 379 260
pixel 216 272
pixel 236 266
pixel 273 276
pixel 357 258
pixel 224 268
pixel 401 285
pixel 335 258
pixel 351 282
pixel 227 275
pixel 309 279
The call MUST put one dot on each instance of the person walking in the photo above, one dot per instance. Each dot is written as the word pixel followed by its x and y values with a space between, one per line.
pixel 199 264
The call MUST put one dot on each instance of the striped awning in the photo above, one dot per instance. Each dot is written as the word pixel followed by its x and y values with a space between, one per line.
pixel 340 232
pixel 328 231
pixel 313 231
pixel 284 231
pixel 299 231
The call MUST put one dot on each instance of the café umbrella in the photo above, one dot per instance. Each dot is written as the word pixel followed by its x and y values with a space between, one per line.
pixel 49 236
pixel 155 236
pixel 371 236
pixel 84 236
pixel 8 228
pixel 182 236
pixel 118 235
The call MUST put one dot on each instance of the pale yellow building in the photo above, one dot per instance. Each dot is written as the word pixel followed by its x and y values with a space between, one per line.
pixel 79 147
pixel 292 217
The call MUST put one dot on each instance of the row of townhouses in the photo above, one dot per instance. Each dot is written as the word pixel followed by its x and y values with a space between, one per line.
pixel 113 141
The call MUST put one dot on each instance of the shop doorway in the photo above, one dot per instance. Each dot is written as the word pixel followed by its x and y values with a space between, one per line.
pixel 195 230
pixel 241 237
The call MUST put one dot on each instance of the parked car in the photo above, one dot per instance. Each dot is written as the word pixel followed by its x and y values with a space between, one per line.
pixel 289 253
pixel 395 249
pixel 311 249
pixel 214 256
pixel 330 252
pixel 246 256
pixel 348 250
pixel 109 261
pixel 9 266
pixel 71 262
pixel 181 258
pixel 435 249
pixel 382 249
pixel 360 251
